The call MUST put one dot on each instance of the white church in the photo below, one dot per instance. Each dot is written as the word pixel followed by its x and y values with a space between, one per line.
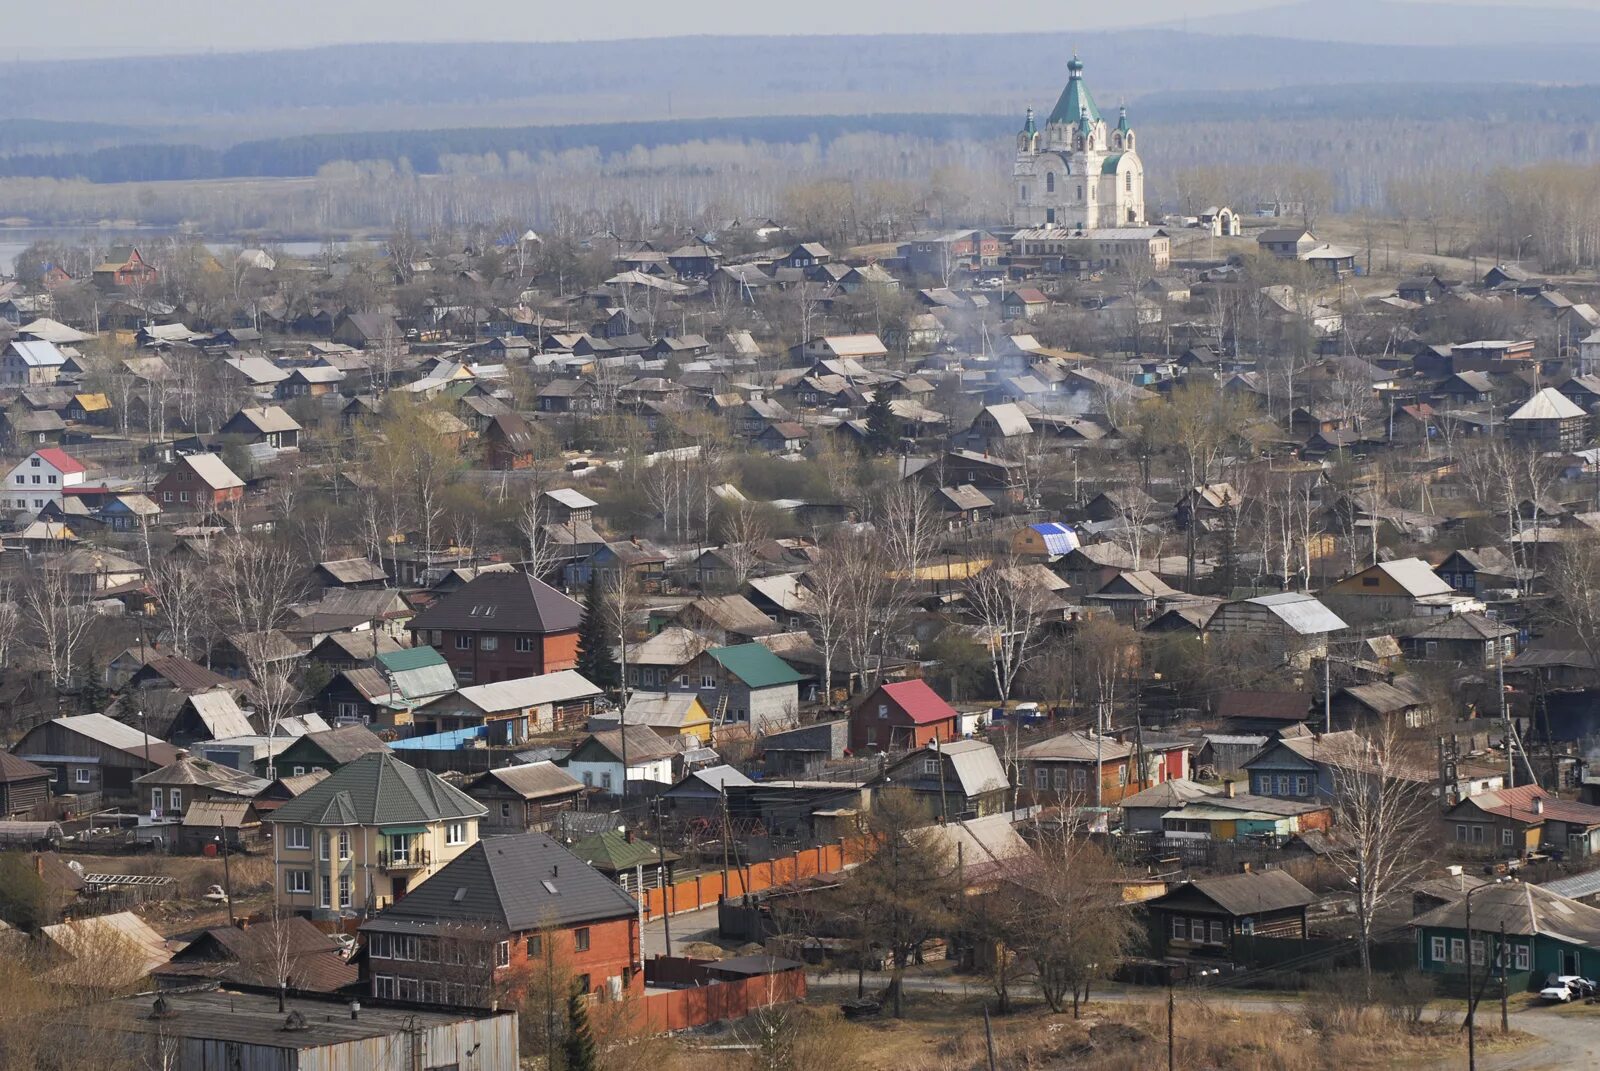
pixel 1078 172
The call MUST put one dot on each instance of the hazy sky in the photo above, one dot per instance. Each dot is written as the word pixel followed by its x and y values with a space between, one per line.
pixel 57 28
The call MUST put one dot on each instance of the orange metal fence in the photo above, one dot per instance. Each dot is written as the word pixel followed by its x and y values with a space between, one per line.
pixel 703 890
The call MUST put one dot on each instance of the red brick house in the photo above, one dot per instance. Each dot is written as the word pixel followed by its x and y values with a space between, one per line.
pixel 902 716
pixel 502 626
pixel 497 914
pixel 123 269
pixel 198 482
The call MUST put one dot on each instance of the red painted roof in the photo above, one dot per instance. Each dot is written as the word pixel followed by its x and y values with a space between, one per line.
pixel 1517 804
pixel 64 462
pixel 81 489
pixel 919 702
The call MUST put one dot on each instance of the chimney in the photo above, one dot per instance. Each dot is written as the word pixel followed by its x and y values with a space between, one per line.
pixel 1244 868
pixel 1229 788
pixel 355 1009
pixel 1538 805
pixel 183 753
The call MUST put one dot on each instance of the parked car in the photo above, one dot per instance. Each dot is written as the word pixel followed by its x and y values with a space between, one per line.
pixel 1568 987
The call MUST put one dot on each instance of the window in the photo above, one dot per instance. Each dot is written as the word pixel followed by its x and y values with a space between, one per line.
pixel 1438 950
pixel 166 496
pixel 1369 581
pixel 297 881
pixel 583 982
pixel 175 799
pixel 1041 778
pixel 1302 785
pixel 1263 785
pixel 524 644
pixel 1080 193
pixel 1283 784
pixel 327 890
pixel 580 940
pixel 1505 837
pixel 1216 931
pixel 1461 833
pixel 707 681
pixel 1477 834
pixel 1128 182
pixel 383 986
pixel 297 837
pixel 505 810
pixel 1024 196
pixel 1050 182
pixel 489 643
pixel 34 462
pixel 407 989
pixel 344 845
pixel 883 710
pixel 463 642
pixel 605 780
pixel 1521 953
pixel 1197 929
pixel 344 891
pixel 1080 778
pixel 1458 950
pixel 1180 929
pixel 322 846
pixel 1477 951
pixel 535 946
pixel 431 991
pixel 455 833
pixel 1059 775
pixel 502 954
pixel 183 496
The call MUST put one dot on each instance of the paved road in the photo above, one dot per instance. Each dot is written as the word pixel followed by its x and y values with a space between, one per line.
pixel 690 926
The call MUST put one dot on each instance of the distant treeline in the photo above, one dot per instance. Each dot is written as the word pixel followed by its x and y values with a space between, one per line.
pixel 423 150
pixel 429 151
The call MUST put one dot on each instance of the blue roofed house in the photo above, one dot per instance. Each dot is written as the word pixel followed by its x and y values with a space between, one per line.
pixel 1049 540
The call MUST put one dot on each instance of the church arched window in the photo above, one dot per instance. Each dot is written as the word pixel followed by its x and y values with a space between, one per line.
pixel 1050 182
pixel 1080 193
pixel 1116 141
pixel 1024 196
pixel 1128 181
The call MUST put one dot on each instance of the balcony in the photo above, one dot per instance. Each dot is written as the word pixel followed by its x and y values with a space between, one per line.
pixel 415 859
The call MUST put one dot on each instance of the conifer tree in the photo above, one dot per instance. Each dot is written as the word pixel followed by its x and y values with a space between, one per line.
pixel 579 1048
pixel 595 660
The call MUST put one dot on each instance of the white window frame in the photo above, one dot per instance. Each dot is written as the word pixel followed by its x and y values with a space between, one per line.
pixel 1458 950
pixel 1439 950
pixel 297 837
pixel 1522 954
pixel 81 776
pixel 488 643
pixel 344 845
pixel 455 833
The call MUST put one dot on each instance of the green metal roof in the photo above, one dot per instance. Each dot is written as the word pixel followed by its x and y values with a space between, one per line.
pixel 1076 99
pixel 378 789
pixel 411 658
pixel 613 852
pixel 756 666
pixel 1109 166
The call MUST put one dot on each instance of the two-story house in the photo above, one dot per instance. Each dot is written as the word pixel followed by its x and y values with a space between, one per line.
pixel 502 626
pixel 361 838
pixel 505 911
pixel 197 482
pixel 962 779
pixel 38 480
pixel 746 684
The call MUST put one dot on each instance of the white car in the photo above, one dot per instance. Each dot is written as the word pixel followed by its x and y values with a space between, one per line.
pixel 1567 987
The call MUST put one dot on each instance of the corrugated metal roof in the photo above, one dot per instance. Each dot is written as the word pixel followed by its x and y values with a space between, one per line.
pixel 1058 538
pixel 563 686
pixel 1301 612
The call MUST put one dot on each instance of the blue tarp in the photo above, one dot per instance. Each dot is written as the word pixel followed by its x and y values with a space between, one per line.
pixel 449 741
pixel 1058 538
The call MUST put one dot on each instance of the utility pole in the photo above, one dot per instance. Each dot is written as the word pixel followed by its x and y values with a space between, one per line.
pixel 1505 713
pixel 661 878
pixel 1500 958
pixel 1327 692
pixel 227 877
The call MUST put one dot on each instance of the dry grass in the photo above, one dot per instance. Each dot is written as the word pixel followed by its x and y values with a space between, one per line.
pixel 946 1034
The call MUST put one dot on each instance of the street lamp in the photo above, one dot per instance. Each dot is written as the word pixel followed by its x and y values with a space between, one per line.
pixel 1472 1044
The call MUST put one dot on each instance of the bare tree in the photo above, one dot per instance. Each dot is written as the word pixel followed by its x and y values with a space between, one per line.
pixel 58 616
pixel 254 583
pixel 744 529
pixel 1382 828
pixel 183 588
pixel 1011 609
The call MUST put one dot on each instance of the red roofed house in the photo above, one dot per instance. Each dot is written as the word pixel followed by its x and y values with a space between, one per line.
pixel 902 716
pixel 37 480
pixel 1511 822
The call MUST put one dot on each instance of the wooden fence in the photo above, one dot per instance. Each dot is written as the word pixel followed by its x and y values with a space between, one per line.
pixel 704 890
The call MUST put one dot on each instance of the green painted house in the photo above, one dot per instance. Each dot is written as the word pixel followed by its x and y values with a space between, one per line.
pixel 1545 934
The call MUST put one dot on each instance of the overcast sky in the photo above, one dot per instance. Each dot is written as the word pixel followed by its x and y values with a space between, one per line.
pixel 44 29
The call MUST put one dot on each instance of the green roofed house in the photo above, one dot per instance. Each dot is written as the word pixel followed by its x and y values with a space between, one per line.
pixel 357 840
pixel 746 684
pixel 1545 934
pixel 632 863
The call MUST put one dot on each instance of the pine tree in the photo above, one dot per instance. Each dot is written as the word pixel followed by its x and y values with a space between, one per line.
pixel 883 427
pixel 595 661
pixel 578 1048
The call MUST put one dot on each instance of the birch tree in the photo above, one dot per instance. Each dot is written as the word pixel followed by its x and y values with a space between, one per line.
pixel 1011 610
